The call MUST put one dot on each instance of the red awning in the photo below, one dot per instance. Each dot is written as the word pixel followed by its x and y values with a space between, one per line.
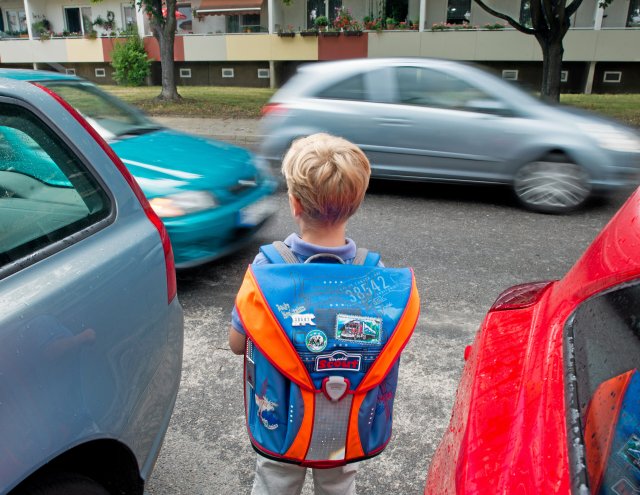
pixel 229 7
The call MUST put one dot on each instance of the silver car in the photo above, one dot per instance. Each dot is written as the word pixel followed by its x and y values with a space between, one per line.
pixel 91 329
pixel 444 121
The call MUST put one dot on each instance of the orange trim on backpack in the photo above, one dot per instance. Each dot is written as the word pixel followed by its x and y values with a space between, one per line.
pixel 603 412
pixel 264 330
pixel 394 346
pixel 353 444
pixel 300 444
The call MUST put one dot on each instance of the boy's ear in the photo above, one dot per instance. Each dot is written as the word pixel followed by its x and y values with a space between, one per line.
pixel 296 206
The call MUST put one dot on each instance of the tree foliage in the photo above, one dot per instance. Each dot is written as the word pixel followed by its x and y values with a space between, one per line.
pixel 130 61
pixel 550 21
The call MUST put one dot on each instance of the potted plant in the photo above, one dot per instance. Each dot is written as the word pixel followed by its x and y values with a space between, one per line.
pixel 287 32
pixel 390 23
pixel 372 24
pixel 353 29
pixel 321 22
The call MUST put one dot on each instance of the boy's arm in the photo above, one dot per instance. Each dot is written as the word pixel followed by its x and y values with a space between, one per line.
pixel 237 341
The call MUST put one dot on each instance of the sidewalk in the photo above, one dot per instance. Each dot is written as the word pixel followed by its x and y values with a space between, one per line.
pixel 243 132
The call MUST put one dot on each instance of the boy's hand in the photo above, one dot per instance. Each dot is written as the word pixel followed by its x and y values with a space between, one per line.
pixel 237 341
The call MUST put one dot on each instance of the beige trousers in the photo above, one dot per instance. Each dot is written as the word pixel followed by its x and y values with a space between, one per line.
pixel 281 478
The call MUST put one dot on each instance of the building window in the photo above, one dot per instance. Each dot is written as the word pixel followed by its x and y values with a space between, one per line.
pixel 228 73
pixel 564 76
pixel 612 77
pixel 317 8
pixel 129 20
pixel 245 23
pixel 510 74
pixel 458 11
pixel 263 74
pixel 16 21
pixel 633 20
pixel 70 72
pixel 78 20
pixel 186 73
pixel 525 13
pixel 101 73
pixel 184 17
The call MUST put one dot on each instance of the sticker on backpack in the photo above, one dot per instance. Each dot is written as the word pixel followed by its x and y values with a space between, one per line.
pixel 362 329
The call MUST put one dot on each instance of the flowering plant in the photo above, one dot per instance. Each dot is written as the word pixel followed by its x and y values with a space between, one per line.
pixel 373 24
pixel 344 21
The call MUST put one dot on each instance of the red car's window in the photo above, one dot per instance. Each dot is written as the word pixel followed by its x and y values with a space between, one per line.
pixel 604 389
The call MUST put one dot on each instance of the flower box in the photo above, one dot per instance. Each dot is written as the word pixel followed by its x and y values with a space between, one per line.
pixel 330 33
pixel 352 33
pixel 286 35
pixel 311 32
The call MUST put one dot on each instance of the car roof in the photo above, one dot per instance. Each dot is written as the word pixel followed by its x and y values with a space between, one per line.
pixel 36 75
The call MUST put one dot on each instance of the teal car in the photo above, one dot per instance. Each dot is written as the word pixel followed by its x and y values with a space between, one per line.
pixel 211 196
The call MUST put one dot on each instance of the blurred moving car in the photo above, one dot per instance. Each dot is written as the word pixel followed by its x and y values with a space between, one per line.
pixel 212 196
pixel 437 120
pixel 549 398
pixel 91 329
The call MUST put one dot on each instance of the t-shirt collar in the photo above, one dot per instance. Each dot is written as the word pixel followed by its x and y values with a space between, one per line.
pixel 306 249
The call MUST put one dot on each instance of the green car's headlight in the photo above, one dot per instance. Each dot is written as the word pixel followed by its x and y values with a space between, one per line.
pixel 180 204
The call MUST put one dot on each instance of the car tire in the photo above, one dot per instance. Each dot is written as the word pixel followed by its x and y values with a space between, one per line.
pixel 62 484
pixel 552 185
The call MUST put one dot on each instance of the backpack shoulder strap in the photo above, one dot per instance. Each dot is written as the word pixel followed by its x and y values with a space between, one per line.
pixel 366 257
pixel 278 252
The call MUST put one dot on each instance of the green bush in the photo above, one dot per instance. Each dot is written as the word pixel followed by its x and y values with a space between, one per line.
pixel 130 61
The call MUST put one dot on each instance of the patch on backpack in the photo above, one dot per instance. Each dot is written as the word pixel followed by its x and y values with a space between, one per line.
pixel 338 360
pixel 363 329
pixel 266 408
pixel 316 340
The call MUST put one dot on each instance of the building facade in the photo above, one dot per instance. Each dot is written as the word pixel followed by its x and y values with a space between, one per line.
pixel 261 42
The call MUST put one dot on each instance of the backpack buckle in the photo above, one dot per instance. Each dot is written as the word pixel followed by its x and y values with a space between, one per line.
pixel 335 387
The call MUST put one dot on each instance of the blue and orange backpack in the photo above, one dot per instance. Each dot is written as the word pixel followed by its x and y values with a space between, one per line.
pixel 322 354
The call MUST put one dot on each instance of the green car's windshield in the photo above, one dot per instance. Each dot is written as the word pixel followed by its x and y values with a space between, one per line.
pixel 102 110
pixel 19 153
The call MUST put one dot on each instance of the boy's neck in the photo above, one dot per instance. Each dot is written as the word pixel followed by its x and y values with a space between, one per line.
pixel 326 236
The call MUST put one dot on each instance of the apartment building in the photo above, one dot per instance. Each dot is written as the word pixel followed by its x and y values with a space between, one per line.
pixel 261 42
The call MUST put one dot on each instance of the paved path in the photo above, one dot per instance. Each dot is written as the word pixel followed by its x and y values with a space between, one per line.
pixel 244 132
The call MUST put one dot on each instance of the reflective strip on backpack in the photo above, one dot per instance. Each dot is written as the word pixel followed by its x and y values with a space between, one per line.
pixel 270 340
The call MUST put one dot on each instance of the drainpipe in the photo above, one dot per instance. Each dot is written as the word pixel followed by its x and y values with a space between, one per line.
pixel 597 26
pixel 140 21
pixel 27 13
pixel 272 74
pixel 423 14
pixel 270 16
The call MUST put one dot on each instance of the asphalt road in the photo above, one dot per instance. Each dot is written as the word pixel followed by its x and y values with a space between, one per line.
pixel 466 246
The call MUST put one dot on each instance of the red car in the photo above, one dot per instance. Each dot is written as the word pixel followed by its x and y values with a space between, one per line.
pixel 549 399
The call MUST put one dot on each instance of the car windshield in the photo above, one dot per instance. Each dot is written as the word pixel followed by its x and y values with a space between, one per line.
pixel 111 117
pixel 19 153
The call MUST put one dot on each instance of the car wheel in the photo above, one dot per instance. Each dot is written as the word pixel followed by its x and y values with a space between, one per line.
pixel 62 484
pixel 552 185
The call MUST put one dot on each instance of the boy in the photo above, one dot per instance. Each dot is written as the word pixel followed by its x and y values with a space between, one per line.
pixel 326 178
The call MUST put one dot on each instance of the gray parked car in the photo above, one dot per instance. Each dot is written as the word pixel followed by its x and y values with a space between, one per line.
pixel 438 120
pixel 91 329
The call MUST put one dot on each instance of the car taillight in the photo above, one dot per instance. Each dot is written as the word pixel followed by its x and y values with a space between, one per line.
pixel 520 296
pixel 172 286
pixel 273 108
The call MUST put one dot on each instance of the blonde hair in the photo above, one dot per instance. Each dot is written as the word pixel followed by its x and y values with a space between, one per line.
pixel 328 175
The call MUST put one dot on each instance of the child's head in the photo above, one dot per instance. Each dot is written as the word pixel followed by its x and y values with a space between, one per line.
pixel 328 175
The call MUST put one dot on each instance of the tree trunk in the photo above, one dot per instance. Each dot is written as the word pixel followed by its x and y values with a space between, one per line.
pixel 166 42
pixel 164 31
pixel 552 52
